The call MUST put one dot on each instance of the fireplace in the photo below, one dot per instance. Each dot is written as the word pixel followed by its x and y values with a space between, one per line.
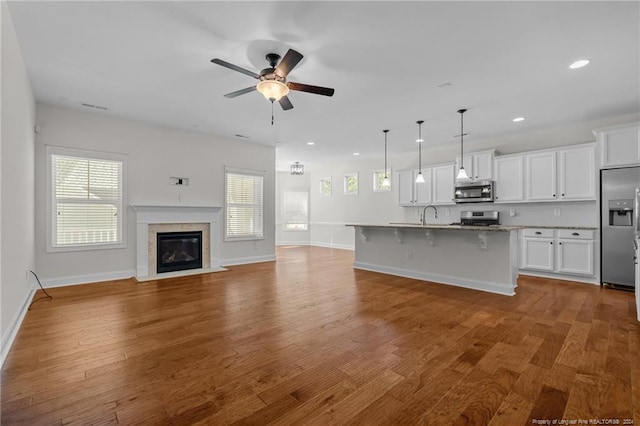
pixel 178 251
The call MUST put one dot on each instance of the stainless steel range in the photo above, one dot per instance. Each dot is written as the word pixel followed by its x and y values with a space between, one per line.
pixel 479 218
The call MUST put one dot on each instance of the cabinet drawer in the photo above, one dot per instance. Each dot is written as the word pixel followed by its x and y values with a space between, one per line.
pixel 577 234
pixel 539 233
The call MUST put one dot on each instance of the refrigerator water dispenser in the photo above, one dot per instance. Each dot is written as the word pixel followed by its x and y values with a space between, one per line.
pixel 620 212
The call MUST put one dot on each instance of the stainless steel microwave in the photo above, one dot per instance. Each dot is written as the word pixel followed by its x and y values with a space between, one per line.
pixel 481 191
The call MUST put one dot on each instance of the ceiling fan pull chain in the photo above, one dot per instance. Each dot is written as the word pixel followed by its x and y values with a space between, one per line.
pixel 272 113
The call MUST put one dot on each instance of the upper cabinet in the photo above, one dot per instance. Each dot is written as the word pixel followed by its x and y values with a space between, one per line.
pixel 436 189
pixel 411 193
pixel 478 165
pixel 565 174
pixel 509 178
pixel 577 173
pixel 443 186
pixel 620 145
pixel 540 176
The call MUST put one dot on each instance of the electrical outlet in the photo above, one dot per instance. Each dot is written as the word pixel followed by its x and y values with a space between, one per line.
pixel 512 212
pixel 409 255
pixel 556 212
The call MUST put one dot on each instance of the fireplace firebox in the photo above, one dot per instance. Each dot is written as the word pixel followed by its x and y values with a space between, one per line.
pixel 177 251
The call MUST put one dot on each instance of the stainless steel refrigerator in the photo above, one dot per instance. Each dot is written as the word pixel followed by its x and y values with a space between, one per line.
pixel 619 212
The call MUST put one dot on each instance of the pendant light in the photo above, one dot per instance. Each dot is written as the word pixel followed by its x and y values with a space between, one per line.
pixel 385 181
pixel 420 177
pixel 462 173
pixel 297 169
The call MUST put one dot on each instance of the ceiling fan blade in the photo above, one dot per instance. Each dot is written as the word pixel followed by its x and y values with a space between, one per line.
pixel 290 60
pixel 285 103
pixel 317 90
pixel 235 68
pixel 240 92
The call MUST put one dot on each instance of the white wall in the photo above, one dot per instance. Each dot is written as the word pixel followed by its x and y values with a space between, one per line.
pixel 154 154
pixel 330 214
pixel 286 182
pixel 16 185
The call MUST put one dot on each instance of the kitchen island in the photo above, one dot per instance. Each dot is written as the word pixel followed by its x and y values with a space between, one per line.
pixel 477 257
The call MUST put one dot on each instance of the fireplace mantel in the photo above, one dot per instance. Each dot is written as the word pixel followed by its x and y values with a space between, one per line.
pixel 157 215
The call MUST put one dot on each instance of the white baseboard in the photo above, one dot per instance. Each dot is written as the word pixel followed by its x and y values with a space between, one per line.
pixel 437 278
pixel 89 278
pixel 329 245
pixel 576 278
pixel 247 260
pixel 292 243
pixel 12 330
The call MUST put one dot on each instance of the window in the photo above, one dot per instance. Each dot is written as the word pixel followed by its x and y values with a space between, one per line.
pixel 85 199
pixel 378 181
pixel 351 183
pixel 244 205
pixel 325 187
pixel 296 210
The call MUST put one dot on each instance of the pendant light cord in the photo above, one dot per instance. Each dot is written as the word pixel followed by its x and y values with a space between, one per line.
pixel 420 142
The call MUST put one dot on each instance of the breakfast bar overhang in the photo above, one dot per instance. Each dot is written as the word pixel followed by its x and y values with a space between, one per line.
pixel 476 257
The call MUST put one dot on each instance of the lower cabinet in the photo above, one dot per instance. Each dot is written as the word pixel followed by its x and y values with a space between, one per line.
pixel 561 251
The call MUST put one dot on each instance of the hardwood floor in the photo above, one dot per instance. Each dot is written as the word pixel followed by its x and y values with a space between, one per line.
pixel 309 340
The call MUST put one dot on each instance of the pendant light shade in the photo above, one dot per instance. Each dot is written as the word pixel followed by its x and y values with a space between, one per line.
pixel 462 173
pixel 420 177
pixel 297 169
pixel 385 181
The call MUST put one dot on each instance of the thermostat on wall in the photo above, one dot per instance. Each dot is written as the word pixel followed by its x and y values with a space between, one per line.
pixel 179 181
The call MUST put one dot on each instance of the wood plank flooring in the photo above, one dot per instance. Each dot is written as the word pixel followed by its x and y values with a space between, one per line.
pixel 310 340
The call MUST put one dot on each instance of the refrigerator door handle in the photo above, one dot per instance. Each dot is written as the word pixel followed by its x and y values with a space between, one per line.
pixel 636 213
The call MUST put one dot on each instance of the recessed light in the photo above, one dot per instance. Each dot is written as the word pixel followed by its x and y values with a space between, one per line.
pixel 579 64
pixel 311 143
pixel 419 140
pixel 356 153
pixel 518 119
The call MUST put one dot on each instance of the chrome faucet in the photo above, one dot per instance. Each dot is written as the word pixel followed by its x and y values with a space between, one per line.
pixel 424 213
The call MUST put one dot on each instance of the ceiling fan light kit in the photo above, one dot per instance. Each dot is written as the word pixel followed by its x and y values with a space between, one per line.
pixel 273 90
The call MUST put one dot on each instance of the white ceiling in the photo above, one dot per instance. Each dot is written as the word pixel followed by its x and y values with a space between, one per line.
pixel 150 61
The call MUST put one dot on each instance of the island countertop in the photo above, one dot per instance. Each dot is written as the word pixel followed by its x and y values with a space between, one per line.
pixel 493 228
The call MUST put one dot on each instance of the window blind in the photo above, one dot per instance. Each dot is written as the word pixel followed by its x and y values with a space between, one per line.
pixel 86 201
pixel 244 206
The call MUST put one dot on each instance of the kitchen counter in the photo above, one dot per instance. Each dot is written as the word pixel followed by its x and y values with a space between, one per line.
pixel 492 228
pixel 477 257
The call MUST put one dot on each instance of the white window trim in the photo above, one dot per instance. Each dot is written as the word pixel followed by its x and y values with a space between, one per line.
pixel 249 172
pixel 73 152
pixel 344 184
pixel 325 179
pixel 388 189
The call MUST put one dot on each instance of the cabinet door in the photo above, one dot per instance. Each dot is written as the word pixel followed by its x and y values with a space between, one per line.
pixel 540 177
pixel 483 166
pixel 577 173
pixel 575 256
pixel 537 253
pixel 423 190
pixel 621 146
pixel 637 281
pixel 405 188
pixel 443 184
pixel 509 179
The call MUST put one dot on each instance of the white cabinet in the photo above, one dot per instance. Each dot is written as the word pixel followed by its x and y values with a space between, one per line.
pixel 561 175
pixel 538 253
pixel 620 145
pixel 509 178
pixel 540 177
pixel 577 173
pixel 637 280
pixel 443 184
pixel 478 165
pixel 563 251
pixel 411 193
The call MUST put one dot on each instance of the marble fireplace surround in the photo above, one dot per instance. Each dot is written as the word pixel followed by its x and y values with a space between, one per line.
pixel 153 219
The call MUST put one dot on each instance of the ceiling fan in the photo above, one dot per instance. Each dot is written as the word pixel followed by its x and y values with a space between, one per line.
pixel 273 82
